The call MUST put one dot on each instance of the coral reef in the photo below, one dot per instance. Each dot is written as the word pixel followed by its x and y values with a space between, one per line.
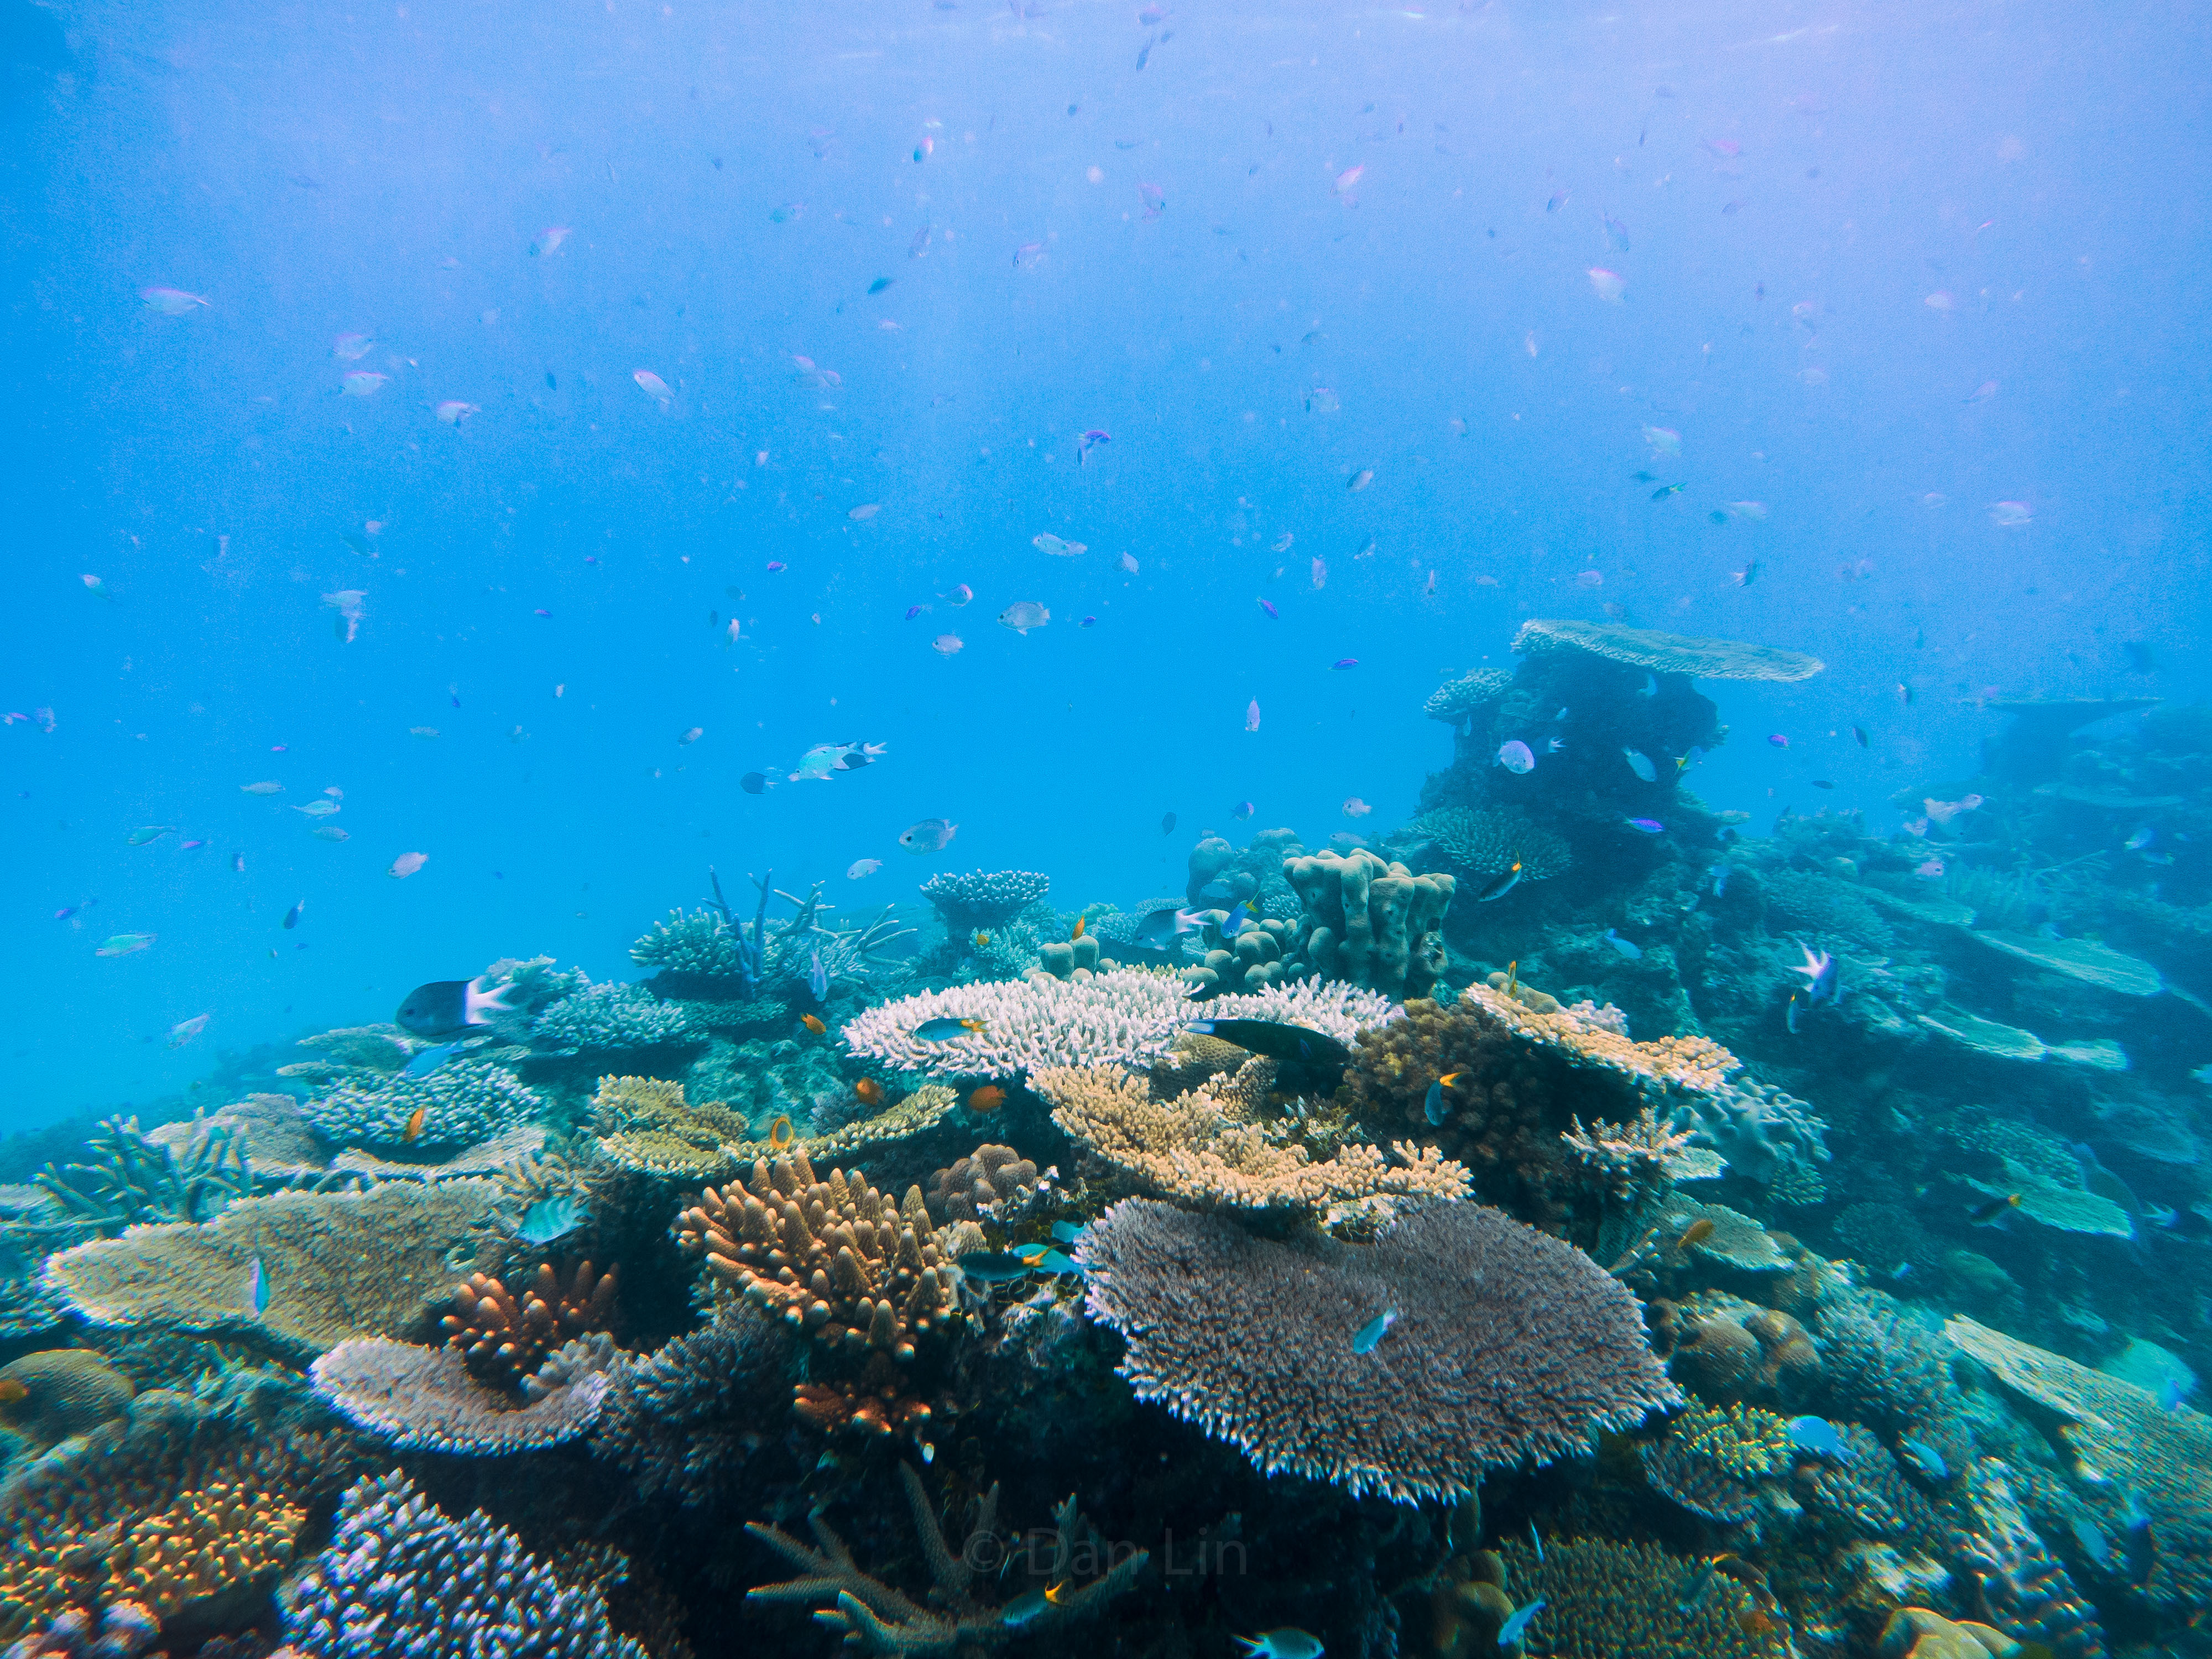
pixel 983 898
pixel 504 1337
pixel 1123 1017
pixel 425 1398
pixel 646 1126
pixel 131 1178
pixel 1488 842
pixel 682 1420
pixel 1505 1345
pixel 1205 1149
pixel 1611 1601
pixel 2026 1590
pixel 1712 1463
pixel 1665 653
pixel 122 1630
pixel 1368 922
pixel 610 1019
pixel 334 1265
pixel 58 1392
pixel 462 1102
pixel 972 1187
pixel 879 1619
pixel 401 1580
pixel 1455 700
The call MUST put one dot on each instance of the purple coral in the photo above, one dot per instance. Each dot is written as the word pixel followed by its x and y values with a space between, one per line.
pixel 1508 1345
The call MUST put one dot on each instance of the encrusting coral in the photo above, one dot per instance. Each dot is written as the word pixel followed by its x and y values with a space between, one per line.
pixel 425 1399
pixel 504 1337
pixel 1205 1149
pixel 334 1265
pixel 835 1258
pixel 1501 1343
pixel 400 1579
pixel 879 1619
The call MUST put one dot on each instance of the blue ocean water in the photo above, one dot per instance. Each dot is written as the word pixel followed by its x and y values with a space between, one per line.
pixel 1370 252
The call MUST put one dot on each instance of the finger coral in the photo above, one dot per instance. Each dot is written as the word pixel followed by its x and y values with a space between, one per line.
pixel 1368 922
pixel 335 1265
pixel 1506 1345
pixel 835 1258
pixel 879 1619
pixel 122 1631
pixel 400 1579
pixel 504 1337
pixel 425 1400
pixel 1203 1149
pixel 219 1536
pixel 609 1018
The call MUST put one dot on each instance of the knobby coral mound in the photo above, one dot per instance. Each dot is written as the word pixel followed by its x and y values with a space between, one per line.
pixel 1368 922
pixel 334 1265
pixel 984 898
pixel 504 1337
pixel 462 1102
pixel 1762 1132
pixel 681 1420
pixel 425 1400
pixel 59 1392
pixel 401 1580
pixel 835 1258
pixel 608 1017
pixel 879 1619
pixel 1484 842
pixel 1505 1345
pixel 972 1187
pixel 1204 1148
pixel 1666 653
pixel 1455 700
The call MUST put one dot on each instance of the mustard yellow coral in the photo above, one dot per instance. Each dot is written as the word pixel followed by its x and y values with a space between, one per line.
pixel 212 1539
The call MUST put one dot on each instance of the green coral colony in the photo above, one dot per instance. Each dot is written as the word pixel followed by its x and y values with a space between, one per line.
pixel 1627 1260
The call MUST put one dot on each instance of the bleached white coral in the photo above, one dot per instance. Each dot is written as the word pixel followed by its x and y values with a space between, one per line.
pixel 1123 1017
pixel 1325 1005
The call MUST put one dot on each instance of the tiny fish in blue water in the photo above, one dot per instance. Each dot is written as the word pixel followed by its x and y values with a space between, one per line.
pixel 1791 1016
pixel 1555 745
pixel 2141 839
pixel 1288 1643
pixel 257 1288
pixel 818 976
pixel 1369 1336
pixel 1517 1627
pixel 292 915
pixel 1818 1435
pixel 1719 873
pixel 1924 1457
pixel 431 1058
pixel 944 1030
pixel 1628 948
pixel 551 1218
pixel 2093 1542
pixel 881 283
pixel 1650 686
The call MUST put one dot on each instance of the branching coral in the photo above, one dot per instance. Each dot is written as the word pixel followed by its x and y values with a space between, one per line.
pixel 1627 1157
pixel 646 1126
pixel 835 1258
pixel 609 1018
pixel 1484 843
pixel 401 1580
pixel 1666 653
pixel 124 1630
pixel 131 1178
pixel 1607 1601
pixel 984 898
pixel 462 1102
pixel 1505 1346
pixel 879 1619
pixel 1369 922
pixel 1713 1461
pixel 681 1420
pixel 1124 1017
pixel 425 1400
pixel 1203 1149
pixel 504 1337
pixel 335 1265
pixel 1884 1367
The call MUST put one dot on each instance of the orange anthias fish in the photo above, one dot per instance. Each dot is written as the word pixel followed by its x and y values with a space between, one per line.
pixel 988 1098
pixel 1077 933
pixel 813 1022
pixel 780 1134
pixel 414 1125
pixel 869 1090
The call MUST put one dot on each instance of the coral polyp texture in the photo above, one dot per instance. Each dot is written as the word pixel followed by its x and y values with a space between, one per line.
pixel 1666 653
pixel 972 1187
pixel 1504 1345
pixel 646 1126
pixel 1205 1149
pixel 462 1102
pixel 1125 1015
pixel 682 1420
pixel 425 1399
pixel 1455 700
pixel 402 1581
pixel 608 1018
pixel 1611 1601
pixel 1485 841
pixel 334 1265
pixel 834 1258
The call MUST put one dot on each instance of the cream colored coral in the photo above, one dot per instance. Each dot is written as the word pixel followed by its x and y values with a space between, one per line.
pixel 1684 1062
pixel 1202 1148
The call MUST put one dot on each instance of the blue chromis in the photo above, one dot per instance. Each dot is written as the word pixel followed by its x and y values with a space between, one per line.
pixel 1818 1435
pixel 257 1288
pixel 945 1029
pixel 1517 1626
pixel 1924 1457
pixel 1369 1337
pixel 1288 1643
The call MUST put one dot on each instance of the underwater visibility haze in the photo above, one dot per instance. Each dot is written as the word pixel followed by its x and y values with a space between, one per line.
pixel 1073 828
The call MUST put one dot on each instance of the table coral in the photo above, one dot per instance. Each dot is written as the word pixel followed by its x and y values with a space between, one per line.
pixel 879 1619
pixel 835 1258
pixel 646 1126
pixel 504 1337
pixel 1204 1148
pixel 1455 700
pixel 462 1102
pixel 401 1579
pixel 1665 653
pixel 336 1264
pixel 1125 1015
pixel 425 1399
pixel 1507 1345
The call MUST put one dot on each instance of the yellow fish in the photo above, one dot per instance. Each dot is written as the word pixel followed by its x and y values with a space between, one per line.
pixel 414 1125
pixel 780 1134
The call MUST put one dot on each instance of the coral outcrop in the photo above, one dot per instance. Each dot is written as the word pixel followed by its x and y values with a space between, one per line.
pixel 1368 922
pixel 425 1399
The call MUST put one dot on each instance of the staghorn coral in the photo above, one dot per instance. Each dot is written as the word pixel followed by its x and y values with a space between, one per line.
pixel 462 1102
pixel 646 1126
pixel 983 898
pixel 1712 1461
pixel 1665 653
pixel 611 1018
pixel 425 1400
pixel 50 1396
pixel 1609 1600
pixel 1455 700
pixel 681 1420
pixel 219 1536
pixel 972 1187
pixel 402 1580
pixel 270 1130
pixel 337 1265
pixel 1203 1149
pixel 1484 842
pixel 878 1618
pixel 1368 922
pixel 1508 1345
pixel 1124 1016
pixel 835 1258
pixel 880 1403
pixel 133 1178
pixel 504 1337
